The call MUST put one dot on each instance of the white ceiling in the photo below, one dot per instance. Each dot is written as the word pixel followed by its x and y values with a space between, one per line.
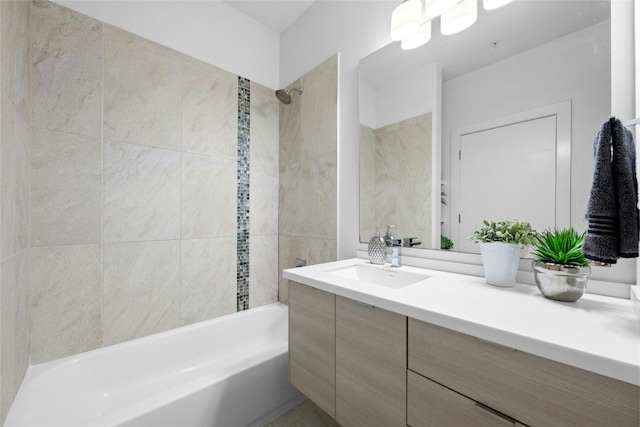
pixel 277 15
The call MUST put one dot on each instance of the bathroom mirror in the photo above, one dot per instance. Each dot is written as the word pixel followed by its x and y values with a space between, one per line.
pixel 532 72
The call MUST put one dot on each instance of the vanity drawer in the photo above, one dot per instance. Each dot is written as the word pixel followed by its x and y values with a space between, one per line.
pixel 431 405
pixel 531 389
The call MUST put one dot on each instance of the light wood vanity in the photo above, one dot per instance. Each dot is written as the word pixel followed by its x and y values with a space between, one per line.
pixel 370 366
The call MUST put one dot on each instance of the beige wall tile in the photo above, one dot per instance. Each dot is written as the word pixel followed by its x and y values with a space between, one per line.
pixel 209 196
pixel 66 70
pixel 141 193
pixel 14 39
pixel 208 278
pixel 264 200
pixel 66 300
pixel 319 119
pixel 264 126
pixel 318 198
pixel 15 146
pixel 290 200
pixel 14 326
pixel 289 248
pixel 209 109
pixel 290 150
pixel 141 289
pixel 141 91
pixel 66 193
pixel 263 274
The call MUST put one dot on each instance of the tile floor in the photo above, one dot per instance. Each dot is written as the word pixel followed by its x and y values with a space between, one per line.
pixel 306 414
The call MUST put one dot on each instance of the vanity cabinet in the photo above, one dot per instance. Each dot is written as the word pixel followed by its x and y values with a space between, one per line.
pixel 512 384
pixel 371 365
pixel 430 404
pixel 312 344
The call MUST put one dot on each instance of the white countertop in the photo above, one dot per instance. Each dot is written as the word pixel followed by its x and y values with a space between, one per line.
pixel 596 333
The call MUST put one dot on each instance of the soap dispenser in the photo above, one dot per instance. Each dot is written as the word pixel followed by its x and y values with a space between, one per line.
pixel 377 248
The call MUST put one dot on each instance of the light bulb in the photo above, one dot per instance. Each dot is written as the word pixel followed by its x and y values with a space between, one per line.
pixel 405 19
pixel 460 17
pixel 419 38
pixel 435 8
pixel 494 4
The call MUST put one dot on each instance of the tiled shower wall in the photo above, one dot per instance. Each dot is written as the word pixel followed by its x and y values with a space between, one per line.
pixel 395 188
pixel 134 201
pixel 308 171
pixel 15 110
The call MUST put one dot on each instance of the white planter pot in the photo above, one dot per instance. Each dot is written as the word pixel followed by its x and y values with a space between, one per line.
pixel 500 261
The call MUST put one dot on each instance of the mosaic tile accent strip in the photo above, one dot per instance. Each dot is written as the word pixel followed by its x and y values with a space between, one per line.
pixel 242 271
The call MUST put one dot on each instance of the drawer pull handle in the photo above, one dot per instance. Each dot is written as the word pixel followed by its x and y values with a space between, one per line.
pixel 507 420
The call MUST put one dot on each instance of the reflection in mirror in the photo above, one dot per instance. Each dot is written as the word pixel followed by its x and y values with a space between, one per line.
pixel 516 61
pixel 398 142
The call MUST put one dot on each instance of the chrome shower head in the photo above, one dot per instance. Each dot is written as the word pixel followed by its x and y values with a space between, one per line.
pixel 285 95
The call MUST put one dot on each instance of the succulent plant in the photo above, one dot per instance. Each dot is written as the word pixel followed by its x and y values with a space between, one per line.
pixel 519 233
pixel 562 247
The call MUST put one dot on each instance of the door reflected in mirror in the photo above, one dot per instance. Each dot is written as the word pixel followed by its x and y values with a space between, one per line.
pixel 526 56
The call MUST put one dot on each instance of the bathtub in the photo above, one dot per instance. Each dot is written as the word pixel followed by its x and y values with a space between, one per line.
pixel 229 371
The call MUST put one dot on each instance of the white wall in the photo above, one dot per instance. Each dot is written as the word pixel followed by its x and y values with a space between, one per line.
pixel 355 29
pixel 211 31
pixel 536 78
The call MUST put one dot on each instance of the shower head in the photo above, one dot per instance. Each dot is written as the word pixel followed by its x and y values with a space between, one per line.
pixel 285 95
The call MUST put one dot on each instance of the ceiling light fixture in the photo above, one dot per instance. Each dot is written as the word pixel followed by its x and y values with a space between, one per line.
pixel 494 4
pixel 461 17
pixel 411 22
pixel 405 19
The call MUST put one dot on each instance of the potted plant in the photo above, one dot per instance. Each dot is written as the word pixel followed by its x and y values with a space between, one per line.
pixel 500 246
pixel 560 268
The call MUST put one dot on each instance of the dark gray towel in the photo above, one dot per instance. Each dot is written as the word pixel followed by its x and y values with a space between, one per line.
pixel 626 185
pixel 601 241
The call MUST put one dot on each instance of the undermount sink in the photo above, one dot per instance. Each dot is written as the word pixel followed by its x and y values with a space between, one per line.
pixel 378 275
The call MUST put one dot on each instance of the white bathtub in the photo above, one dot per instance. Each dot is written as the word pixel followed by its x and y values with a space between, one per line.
pixel 229 371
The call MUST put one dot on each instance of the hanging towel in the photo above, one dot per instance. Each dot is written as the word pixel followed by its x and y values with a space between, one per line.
pixel 613 205
pixel 626 185
pixel 601 241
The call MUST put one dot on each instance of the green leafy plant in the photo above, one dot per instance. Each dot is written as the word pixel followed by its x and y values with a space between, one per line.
pixel 445 243
pixel 519 233
pixel 563 247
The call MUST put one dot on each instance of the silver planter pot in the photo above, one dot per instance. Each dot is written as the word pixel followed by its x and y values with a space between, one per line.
pixel 560 283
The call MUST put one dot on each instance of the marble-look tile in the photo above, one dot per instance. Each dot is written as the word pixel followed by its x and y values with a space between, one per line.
pixel 14 50
pixel 289 248
pixel 209 109
pixel 414 208
pixel 314 251
pixel 415 146
pixel 14 327
pixel 66 70
pixel 291 207
pixel 387 155
pixel 66 301
pixel 290 129
pixel 66 192
pixel 319 197
pixel 263 275
pixel 386 203
pixel 264 200
pixel 142 99
pixel 264 126
pixel 208 277
pixel 141 289
pixel 209 196
pixel 141 193
pixel 15 154
pixel 319 110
